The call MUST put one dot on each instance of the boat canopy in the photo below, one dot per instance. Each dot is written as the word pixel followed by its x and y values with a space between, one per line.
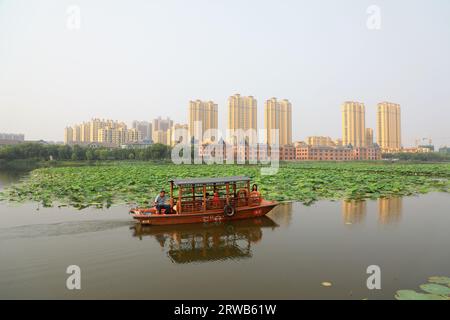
pixel 204 181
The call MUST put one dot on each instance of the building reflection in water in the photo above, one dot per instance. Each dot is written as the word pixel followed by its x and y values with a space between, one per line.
pixel 353 211
pixel 194 243
pixel 390 210
pixel 282 214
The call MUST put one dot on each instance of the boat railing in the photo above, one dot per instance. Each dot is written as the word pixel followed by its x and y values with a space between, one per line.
pixel 211 204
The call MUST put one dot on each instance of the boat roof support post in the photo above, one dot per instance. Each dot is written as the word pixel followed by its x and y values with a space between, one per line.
pixel 180 193
pixel 193 197
pixel 204 197
pixel 171 194
pixel 234 195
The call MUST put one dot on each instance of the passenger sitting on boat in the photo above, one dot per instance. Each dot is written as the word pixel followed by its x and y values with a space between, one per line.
pixel 161 202
pixel 208 202
pixel 255 196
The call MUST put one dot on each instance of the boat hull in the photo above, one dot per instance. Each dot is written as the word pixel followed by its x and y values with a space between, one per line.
pixel 246 212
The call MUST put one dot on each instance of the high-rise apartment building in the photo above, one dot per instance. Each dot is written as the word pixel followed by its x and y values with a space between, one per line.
pixel 159 130
pixel 85 132
pixel 203 116
pixel 369 137
pixel 76 134
pixel 144 128
pixel 285 122
pixel 242 114
pixel 161 124
pixel 353 124
pixel 94 126
pixel 105 135
pixel 278 116
pixel 68 135
pixel 271 119
pixel 389 136
pixel 160 136
pixel 134 135
pixel 110 132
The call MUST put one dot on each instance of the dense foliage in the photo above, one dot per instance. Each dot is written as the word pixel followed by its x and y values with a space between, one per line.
pixel 420 157
pixel 136 183
pixel 43 152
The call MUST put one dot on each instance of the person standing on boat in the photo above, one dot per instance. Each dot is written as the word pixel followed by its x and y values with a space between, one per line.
pixel 216 199
pixel 162 202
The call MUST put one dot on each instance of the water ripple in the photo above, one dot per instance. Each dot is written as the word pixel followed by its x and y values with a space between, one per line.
pixel 59 229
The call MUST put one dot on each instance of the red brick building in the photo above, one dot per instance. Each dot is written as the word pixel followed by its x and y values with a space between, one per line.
pixel 288 153
pixel 310 153
pixel 297 152
pixel 368 153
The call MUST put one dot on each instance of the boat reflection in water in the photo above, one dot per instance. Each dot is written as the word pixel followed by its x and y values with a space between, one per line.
pixel 390 210
pixel 194 243
pixel 282 214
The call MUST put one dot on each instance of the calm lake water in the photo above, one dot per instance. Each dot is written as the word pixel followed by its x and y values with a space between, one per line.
pixel 286 255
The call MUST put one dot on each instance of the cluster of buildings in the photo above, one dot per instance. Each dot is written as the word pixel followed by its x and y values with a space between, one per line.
pixel 99 131
pixel 355 133
pixel 110 133
pixel 357 142
pixel 243 115
pixel 11 138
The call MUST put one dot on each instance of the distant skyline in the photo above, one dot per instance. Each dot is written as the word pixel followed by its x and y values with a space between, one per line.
pixel 138 60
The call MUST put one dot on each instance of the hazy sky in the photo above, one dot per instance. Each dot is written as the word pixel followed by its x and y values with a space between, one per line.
pixel 139 59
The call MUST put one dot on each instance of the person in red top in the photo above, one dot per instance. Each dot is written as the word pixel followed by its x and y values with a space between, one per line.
pixel 216 199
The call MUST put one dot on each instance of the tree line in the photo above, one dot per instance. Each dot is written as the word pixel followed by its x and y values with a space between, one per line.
pixel 44 152
pixel 422 157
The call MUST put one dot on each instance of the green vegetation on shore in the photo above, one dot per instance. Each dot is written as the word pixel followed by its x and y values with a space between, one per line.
pixel 37 152
pixel 42 152
pixel 137 183
pixel 419 157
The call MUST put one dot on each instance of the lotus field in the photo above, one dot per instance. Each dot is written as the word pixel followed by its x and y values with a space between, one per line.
pixel 134 183
pixel 437 288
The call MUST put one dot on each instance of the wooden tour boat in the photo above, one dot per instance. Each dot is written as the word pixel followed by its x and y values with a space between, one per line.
pixel 204 200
